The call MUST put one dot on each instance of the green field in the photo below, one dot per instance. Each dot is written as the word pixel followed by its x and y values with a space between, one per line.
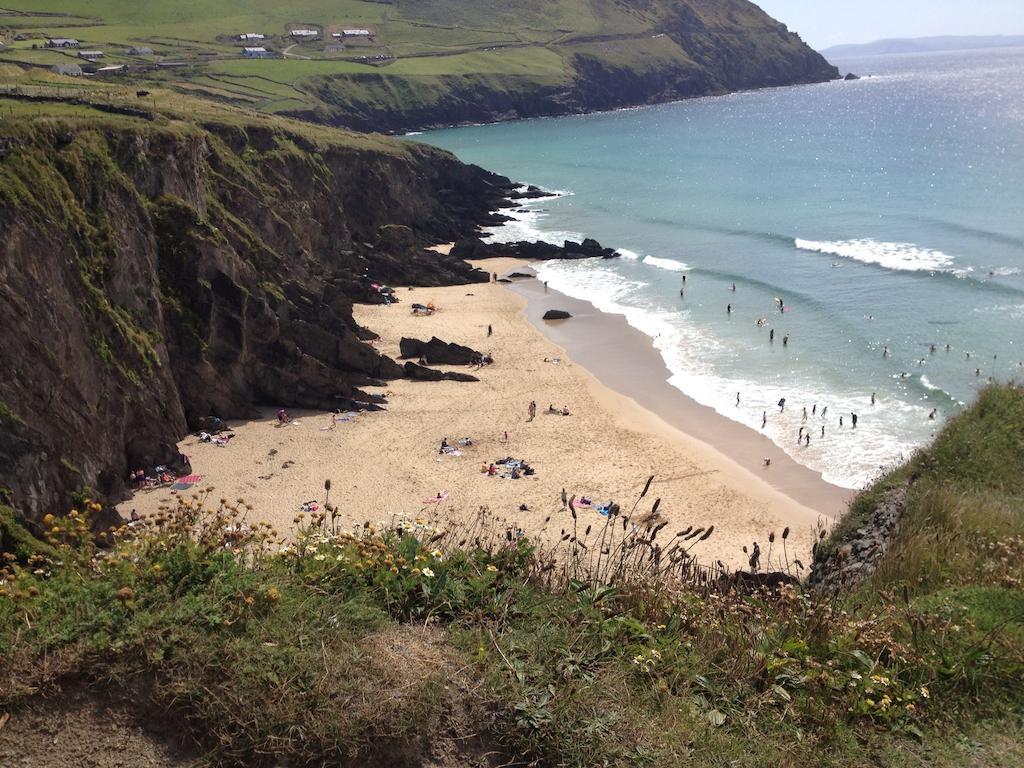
pixel 520 47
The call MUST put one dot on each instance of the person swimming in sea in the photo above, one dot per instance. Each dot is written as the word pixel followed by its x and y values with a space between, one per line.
pixel 771 335
pixel 872 398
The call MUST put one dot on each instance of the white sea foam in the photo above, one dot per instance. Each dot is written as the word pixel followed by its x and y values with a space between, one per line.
pixel 927 384
pixel 905 257
pixel 670 264
pixel 711 372
pixel 525 224
pixel 628 254
pixel 1004 271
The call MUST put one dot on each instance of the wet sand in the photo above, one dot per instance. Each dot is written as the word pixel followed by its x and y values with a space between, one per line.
pixel 626 360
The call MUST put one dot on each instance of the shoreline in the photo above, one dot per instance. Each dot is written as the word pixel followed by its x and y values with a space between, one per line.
pixel 605 342
pixel 386 465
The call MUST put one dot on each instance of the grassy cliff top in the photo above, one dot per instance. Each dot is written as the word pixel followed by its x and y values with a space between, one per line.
pixel 394 643
pixel 521 46
pixel 32 98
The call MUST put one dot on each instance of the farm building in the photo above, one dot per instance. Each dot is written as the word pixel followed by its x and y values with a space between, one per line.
pixel 68 70
pixel 356 33
pixel 256 53
pixel 138 50
pixel 62 42
pixel 252 36
pixel 90 55
pixel 113 69
pixel 304 33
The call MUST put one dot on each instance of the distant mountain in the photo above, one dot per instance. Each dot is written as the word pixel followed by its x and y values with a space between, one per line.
pixel 924 45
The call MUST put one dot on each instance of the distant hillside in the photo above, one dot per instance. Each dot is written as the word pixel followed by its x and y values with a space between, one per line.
pixel 393 66
pixel 925 45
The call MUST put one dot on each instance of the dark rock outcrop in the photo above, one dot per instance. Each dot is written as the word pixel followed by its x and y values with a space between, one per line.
pixel 747 583
pixel 419 373
pixel 856 556
pixel 556 314
pixel 851 76
pixel 475 248
pixel 437 352
pixel 154 274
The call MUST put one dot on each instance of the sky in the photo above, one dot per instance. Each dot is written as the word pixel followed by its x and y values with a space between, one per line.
pixel 822 23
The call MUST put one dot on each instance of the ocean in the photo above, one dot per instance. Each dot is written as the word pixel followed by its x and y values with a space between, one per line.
pixel 883 216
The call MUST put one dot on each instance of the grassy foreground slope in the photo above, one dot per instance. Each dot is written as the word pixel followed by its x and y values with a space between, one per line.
pixel 427 61
pixel 410 644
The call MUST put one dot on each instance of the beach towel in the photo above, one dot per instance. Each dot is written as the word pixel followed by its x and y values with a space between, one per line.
pixel 437 499
pixel 184 483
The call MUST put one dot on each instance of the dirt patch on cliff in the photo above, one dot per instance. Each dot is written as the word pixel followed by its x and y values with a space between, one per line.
pixel 80 728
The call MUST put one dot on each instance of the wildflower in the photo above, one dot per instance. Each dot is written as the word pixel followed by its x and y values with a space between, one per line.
pixel 428 573
pixel 124 594
pixel 320 557
pixel 856 675
pixel 416 571
pixel 156 567
pixel 924 691
pixel 273 595
pixel 492 568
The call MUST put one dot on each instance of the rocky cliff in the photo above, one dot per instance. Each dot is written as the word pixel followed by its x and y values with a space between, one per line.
pixel 639 52
pixel 157 271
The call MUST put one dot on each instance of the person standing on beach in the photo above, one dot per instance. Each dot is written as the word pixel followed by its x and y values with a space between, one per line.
pixel 737 399
pixel 782 404
pixel 728 309
pixel 824 411
pixel 771 335
pixel 823 430
pixel 805 413
pixel 872 398
pixel 490 330
pixel 840 421
pixel 532 410
pixel 764 419
pixel 807 439
pixel 565 500
pixel 853 418
pixel 799 435
pixel 545 286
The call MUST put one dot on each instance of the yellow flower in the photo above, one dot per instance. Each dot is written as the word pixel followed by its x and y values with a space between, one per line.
pixel 273 595
pixel 924 691
pixel 492 568
pixel 156 567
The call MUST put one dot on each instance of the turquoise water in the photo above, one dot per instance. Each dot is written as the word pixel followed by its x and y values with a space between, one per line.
pixel 885 213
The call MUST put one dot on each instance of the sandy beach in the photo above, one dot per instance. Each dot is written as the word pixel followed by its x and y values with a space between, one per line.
pixel 387 464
